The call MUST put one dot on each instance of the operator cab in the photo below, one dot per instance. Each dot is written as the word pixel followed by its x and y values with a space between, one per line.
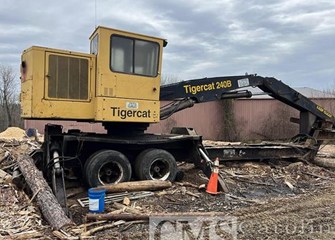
pixel 130 55
pixel 129 71
pixel 119 81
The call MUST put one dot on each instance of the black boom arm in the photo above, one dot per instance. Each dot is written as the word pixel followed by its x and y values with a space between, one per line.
pixel 187 93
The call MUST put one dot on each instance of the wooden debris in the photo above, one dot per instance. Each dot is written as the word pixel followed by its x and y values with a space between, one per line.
pixel 315 175
pixel 126 201
pixel 8 166
pixel 130 224
pixel 51 209
pixel 222 183
pixel 27 235
pixel 325 162
pixel 137 217
pixel 115 217
pixel 202 187
pixel 187 184
pixel 193 194
pixel 85 225
pixel 5 178
pixel 289 185
pixel 151 185
pixel 16 221
pixel 62 236
pixel 101 228
pixel 6 155
pixel 125 208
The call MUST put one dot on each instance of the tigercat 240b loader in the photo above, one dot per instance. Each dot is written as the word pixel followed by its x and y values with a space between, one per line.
pixel 118 85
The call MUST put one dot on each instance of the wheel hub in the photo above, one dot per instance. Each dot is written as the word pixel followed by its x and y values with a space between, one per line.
pixel 159 169
pixel 110 173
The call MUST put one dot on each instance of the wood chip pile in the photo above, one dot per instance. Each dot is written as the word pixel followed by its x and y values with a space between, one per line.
pixel 19 216
pixel 13 133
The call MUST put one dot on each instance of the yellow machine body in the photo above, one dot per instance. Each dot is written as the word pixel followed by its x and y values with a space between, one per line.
pixel 119 81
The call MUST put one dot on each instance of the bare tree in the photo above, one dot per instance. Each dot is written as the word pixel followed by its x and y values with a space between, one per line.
pixel 8 97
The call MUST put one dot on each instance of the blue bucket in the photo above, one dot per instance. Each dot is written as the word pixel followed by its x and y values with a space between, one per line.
pixel 96 199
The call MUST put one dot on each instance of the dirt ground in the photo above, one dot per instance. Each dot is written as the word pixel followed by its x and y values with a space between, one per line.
pixel 266 200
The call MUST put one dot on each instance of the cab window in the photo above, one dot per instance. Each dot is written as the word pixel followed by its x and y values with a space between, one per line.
pixel 134 56
pixel 94 45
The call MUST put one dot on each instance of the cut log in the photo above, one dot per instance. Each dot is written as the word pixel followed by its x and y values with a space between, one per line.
pixel 132 217
pixel 46 200
pixel 134 186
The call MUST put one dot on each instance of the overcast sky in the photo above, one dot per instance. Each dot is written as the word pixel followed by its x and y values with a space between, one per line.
pixel 292 40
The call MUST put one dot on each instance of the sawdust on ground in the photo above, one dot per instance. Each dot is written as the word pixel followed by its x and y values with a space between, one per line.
pixel 13 133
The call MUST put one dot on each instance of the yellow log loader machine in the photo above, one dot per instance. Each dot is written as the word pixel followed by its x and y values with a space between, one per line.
pixel 118 85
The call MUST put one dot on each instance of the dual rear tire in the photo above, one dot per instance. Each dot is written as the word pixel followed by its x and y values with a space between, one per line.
pixel 111 167
pixel 107 167
pixel 155 164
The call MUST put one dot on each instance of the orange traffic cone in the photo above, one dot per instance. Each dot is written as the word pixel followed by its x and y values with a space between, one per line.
pixel 212 186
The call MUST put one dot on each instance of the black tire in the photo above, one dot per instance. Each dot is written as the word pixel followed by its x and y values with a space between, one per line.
pixel 107 167
pixel 155 164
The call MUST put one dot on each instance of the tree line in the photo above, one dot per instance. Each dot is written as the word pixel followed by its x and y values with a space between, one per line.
pixel 9 99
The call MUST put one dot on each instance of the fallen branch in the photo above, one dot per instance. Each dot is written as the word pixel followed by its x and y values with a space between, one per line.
pixel 192 194
pixel 8 166
pixel 136 186
pixel 101 228
pixel 4 157
pixel 33 197
pixel 315 175
pixel 129 224
pixel 145 217
pixel 187 184
pixel 222 183
pixel 83 227
pixel 27 235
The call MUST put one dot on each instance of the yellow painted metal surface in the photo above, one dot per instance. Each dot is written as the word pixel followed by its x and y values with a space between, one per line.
pixel 49 93
pixel 126 110
pixel 34 98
